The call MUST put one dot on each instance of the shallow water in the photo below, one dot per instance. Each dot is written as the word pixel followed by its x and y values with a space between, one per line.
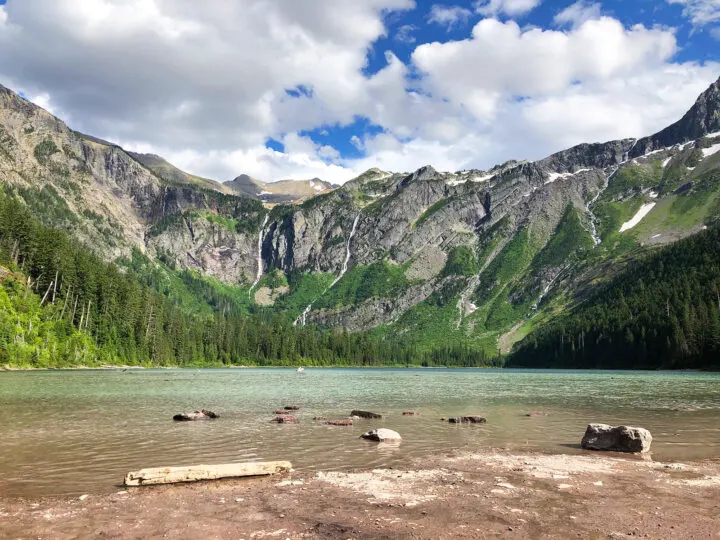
pixel 72 432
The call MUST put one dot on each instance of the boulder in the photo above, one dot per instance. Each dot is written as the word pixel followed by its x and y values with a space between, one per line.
pixel 536 413
pixel 467 420
pixel 195 415
pixel 381 435
pixel 616 438
pixel 285 419
pixel 282 411
pixel 366 414
pixel 292 407
pixel 343 422
pixel 411 413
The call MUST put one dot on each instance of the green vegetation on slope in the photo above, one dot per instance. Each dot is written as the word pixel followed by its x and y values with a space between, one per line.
pixel 662 312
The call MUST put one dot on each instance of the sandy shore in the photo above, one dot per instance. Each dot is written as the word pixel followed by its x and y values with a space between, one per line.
pixel 483 495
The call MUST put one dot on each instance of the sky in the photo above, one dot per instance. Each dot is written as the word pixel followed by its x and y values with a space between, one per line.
pixel 330 88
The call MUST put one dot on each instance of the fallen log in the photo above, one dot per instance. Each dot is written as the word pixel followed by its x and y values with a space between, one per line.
pixel 196 473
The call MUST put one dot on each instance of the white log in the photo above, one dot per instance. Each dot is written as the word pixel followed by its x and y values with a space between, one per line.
pixel 195 473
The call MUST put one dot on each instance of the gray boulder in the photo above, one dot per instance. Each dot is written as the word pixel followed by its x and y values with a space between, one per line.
pixel 381 435
pixel 365 414
pixel 616 438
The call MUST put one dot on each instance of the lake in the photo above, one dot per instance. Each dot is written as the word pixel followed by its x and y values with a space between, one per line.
pixel 74 432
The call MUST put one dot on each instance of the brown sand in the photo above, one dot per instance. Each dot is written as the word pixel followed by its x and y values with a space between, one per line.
pixel 484 495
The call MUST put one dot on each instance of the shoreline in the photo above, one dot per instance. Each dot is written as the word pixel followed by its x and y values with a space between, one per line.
pixel 453 495
pixel 108 367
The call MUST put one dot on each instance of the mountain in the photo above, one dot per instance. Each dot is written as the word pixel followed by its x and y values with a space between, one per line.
pixel 280 191
pixel 431 259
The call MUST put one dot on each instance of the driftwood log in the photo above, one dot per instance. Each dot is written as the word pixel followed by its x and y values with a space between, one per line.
pixel 195 473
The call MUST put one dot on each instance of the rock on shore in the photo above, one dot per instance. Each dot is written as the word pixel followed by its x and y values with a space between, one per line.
pixel 195 415
pixel 381 434
pixel 365 414
pixel 616 438
pixel 468 420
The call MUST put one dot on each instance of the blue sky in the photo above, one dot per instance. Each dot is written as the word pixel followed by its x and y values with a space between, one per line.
pixel 329 88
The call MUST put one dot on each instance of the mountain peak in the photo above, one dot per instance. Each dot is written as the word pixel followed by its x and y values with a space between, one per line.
pixel 702 118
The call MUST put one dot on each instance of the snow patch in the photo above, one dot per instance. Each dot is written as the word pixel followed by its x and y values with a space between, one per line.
pixel 714 149
pixel 265 193
pixel 318 188
pixel 554 175
pixel 653 195
pixel 637 218
pixel 455 182
pixel 485 178
pixel 664 163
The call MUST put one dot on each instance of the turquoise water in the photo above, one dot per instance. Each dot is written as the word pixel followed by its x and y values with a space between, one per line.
pixel 72 432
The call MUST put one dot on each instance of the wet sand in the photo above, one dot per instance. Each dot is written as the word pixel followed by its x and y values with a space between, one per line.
pixel 482 495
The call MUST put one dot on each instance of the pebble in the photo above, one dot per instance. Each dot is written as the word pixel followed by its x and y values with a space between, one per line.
pixel 83 497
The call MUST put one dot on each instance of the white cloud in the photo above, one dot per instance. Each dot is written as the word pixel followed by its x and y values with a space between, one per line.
pixel 357 143
pixel 501 60
pixel 206 86
pixel 448 16
pixel 512 8
pixel 578 13
pixel 700 12
pixel 404 34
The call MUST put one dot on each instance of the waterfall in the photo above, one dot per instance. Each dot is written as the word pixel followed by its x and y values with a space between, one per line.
pixel 259 274
pixel 343 270
pixel 303 317
pixel 589 205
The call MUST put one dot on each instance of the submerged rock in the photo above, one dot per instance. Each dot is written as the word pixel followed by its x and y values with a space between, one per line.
pixel 410 413
pixel 195 415
pixel 365 414
pixel 616 438
pixel 536 413
pixel 467 420
pixel 343 422
pixel 285 419
pixel 282 411
pixel 292 407
pixel 381 435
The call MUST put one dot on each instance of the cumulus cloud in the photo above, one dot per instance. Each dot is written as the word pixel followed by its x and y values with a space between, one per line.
pixel 448 16
pixel 700 12
pixel 206 86
pixel 512 8
pixel 578 13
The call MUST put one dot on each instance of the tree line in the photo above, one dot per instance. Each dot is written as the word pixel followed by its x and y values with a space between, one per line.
pixel 661 312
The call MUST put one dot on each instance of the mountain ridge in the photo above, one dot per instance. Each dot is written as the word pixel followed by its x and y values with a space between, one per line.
pixel 475 257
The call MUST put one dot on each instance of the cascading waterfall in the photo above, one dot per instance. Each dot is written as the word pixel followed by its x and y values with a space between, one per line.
pixel 303 317
pixel 588 207
pixel 259 255
pixel 343 270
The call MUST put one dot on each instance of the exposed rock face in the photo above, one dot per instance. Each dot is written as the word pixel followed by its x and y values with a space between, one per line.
pixel 616 439
pixel 381 435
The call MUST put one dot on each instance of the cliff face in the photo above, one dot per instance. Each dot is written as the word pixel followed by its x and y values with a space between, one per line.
pixel 474 253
